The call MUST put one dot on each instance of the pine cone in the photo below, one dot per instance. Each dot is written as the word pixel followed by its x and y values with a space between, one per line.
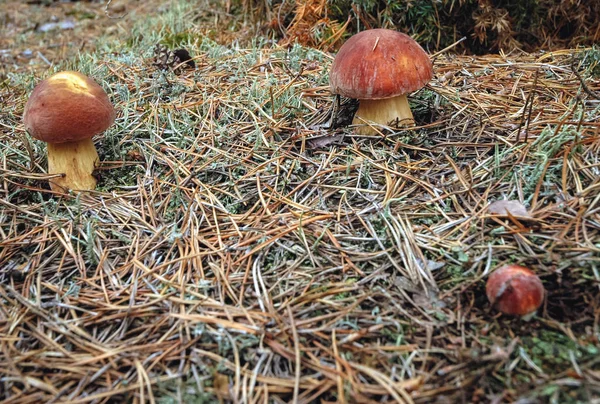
pixel 165 59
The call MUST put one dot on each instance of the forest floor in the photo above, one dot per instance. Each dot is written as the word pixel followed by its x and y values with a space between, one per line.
pixel 239 249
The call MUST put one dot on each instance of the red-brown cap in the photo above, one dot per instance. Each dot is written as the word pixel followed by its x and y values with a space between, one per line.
pixel 67 107
pixel 515 290
pixel 379 63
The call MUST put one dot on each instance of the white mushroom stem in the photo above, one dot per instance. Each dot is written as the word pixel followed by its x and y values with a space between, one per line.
pixel 390 111
pixel 76 160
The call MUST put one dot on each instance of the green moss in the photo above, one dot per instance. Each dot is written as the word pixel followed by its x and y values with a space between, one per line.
pixel 554 352
pixel 169 392
pixel 179 39
pixel 590 60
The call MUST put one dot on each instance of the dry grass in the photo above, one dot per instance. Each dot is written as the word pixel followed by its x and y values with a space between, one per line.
pixel 239 250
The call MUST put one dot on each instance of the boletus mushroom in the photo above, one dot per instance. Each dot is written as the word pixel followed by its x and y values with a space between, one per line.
pixel 379 67
pixel 66 110
pixel 515 290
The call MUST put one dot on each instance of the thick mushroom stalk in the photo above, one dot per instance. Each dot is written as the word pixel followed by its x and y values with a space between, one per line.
pixel 75 161
pixel 379 67
pixel 391 111
pixel 66 111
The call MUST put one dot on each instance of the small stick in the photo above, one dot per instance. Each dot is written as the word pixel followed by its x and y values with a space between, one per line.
pixel 533 93
pixel 528 105
pixel 108 14
pixel 583 85
pixel 29 149
pixel 448 47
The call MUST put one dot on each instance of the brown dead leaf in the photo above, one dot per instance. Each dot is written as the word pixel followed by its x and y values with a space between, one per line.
pixel 507 208
pixel 324 141
pixel 221 385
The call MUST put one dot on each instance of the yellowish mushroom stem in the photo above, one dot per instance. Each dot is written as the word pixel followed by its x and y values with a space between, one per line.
pixel 76 160
pixel 390 111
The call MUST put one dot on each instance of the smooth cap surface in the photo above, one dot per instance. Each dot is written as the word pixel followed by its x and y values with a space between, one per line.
pixel 379 63
pixel 515 290
pixel 67 107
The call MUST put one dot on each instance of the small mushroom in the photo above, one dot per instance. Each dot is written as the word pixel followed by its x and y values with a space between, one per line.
pixel 380 67
pixel 66 110
pixel 515 290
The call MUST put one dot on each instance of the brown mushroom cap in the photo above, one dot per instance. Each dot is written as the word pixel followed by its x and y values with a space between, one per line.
pixel 67 107
pixel 515 290
pixel 379 63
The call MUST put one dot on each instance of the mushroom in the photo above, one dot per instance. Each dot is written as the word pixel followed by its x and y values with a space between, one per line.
pixel 66 110
pixel 515 290
pixel 379 67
